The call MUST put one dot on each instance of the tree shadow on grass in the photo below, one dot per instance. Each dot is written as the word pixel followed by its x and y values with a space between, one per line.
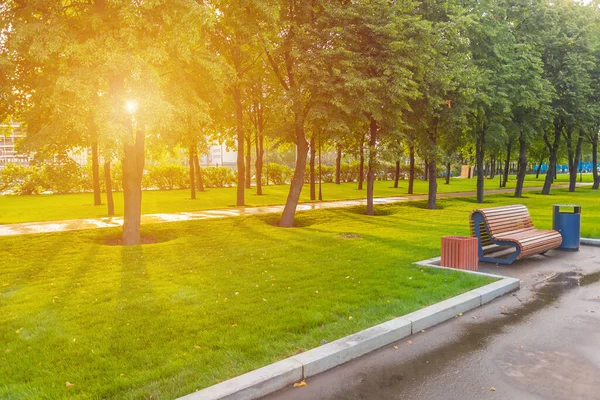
pixel 422 204
pixel 471 200
pixel 379 211
pixel 148 237
pixel 301 220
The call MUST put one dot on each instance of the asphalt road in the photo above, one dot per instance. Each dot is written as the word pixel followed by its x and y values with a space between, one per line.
pixel 541 342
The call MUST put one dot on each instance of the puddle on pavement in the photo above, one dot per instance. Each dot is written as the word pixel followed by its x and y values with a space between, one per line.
pixel 474 337
pixel 589 279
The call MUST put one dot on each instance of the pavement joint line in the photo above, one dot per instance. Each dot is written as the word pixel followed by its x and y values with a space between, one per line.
pixel 284 373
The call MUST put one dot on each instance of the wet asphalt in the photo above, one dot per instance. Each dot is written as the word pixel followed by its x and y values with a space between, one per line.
pixel 541 342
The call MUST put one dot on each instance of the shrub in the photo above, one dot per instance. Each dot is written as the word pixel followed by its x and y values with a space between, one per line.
pixel 385 171
pixel 64 177
pixel 21 179
pixel 166 177
pixel 116 177
pixel 327 172
pixel 277 174
pixel 349 172
pixel 218 176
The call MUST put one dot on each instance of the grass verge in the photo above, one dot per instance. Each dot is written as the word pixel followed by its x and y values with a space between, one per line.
pixel 15 209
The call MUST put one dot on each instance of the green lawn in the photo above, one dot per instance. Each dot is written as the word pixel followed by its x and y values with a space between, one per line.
pixel 14 209
pixel 213 299
pixel 560 178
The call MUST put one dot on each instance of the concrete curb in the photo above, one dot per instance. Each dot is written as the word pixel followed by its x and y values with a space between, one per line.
pixel 271 378
pixel 254 384
pixel 589 241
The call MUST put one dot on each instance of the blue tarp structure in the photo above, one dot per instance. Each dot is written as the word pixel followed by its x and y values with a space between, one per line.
pixel 564 168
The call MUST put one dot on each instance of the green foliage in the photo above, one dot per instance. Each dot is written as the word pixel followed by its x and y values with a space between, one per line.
pixel 64 177
pixel 276 174
pixel 218 177
pixel 166 177
pixel 19 179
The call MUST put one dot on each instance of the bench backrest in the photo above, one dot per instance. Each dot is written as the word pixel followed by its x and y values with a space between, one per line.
pixel 502 219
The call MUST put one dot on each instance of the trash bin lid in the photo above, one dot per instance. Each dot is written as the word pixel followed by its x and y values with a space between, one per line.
pixel 576 207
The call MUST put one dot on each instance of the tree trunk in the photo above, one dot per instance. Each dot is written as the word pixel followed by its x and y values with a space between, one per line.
pixel 411 169
pixel 479 156
pixel 492 167
pixel 573 168
pixel 96 174
pixel 507 163
pixel 248 161
pixel 241 170
pixel 522 167
pixel 448 171
pixel 192 175
pixel 259 162
pixel 109 194
pixel 320 175
pixel 371 166
pixel 287 218
pixel 199 180
pixel 539 168
pixel 432 175
pixel 595 163
pixel 553 150
pixel 338 164
pixel 313 153
pixel 397 175
pixel 361 165
pixel 133 168
pixel 432 192
pixel 426 171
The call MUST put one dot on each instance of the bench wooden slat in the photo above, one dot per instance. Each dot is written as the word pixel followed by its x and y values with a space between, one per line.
pixel 513 224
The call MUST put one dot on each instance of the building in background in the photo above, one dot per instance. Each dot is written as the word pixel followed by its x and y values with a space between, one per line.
pixel 9 136
pixel 11 133
pixel 219 155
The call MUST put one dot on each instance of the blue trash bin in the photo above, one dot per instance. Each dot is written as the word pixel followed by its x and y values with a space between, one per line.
pixel 568 223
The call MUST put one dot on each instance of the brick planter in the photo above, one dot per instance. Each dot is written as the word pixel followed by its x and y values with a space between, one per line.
pixel 460 252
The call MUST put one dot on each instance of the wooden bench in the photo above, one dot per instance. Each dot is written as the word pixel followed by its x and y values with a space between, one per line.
pixel 510 226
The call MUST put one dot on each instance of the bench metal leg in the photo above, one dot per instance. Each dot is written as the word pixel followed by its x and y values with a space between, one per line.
pixel 478 220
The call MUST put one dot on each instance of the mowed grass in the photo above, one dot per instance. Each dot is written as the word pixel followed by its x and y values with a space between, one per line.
pixel 15 209
pixel 213 300
pixel 217 298
pixel 560 178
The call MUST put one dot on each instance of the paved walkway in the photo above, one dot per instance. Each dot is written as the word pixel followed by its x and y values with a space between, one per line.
pixel 540 342
pixel 97 223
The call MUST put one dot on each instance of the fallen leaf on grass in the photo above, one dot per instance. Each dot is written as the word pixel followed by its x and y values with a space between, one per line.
pixel 300 384
pixel 350 318
pixel 197 347
pixel 69 384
